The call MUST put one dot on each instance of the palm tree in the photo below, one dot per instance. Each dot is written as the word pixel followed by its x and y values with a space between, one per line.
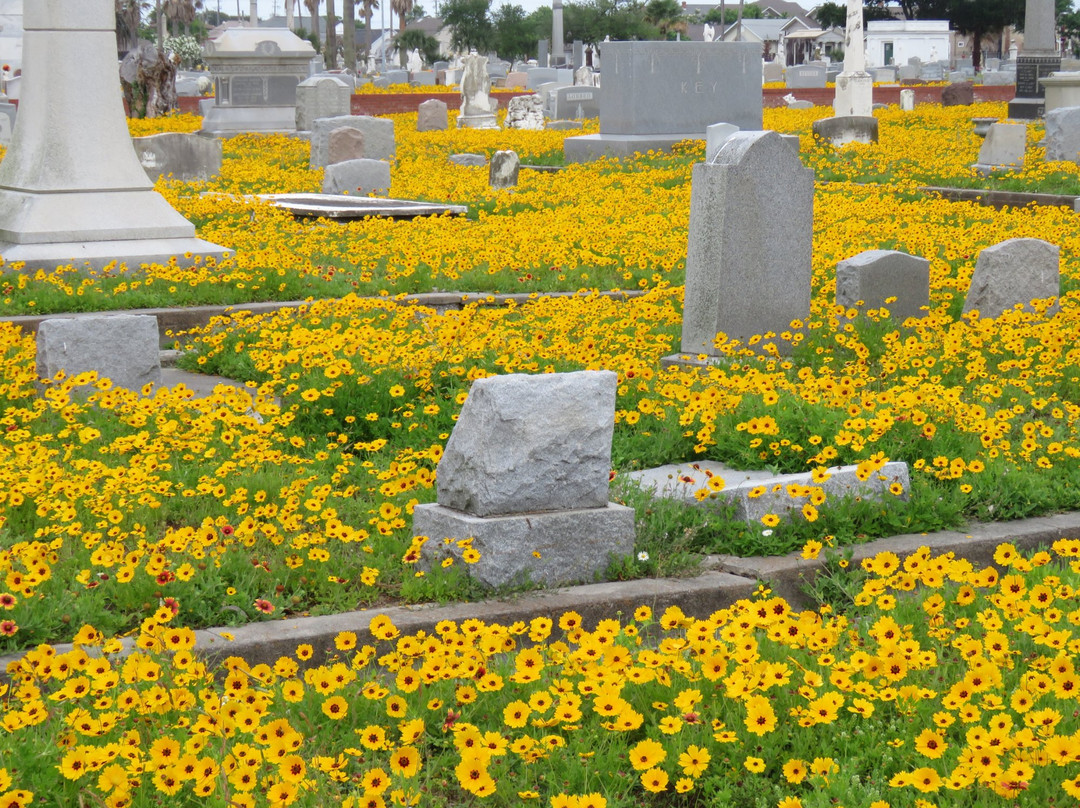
pixel 369 8
pixel 401 8
pixel 128 16
pixel 313 9
pixel 348 13
pixel 181 12
pixel 330 54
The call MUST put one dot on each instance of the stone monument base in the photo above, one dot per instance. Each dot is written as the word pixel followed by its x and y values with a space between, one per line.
pixel 552 548
pixel 1027 109
pixel 98 254
pixel 229 121
pixel 477 122
pixel 587 148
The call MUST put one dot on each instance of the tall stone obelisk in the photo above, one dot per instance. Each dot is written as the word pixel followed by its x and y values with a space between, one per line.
pixel 558 42
pixel 72 189
pixel 1038 59
pixel 854 86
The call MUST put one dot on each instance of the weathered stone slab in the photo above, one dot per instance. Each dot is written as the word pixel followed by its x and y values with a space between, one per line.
pixel 345 143
pixel 477 106
pixel 378 137
pixel 748 264
pixel 1063 134
pixel 526 444
pixel 869 279
pixel 473 160
pixel 563 547
pixel 362 176
pixel 1012 273
pixel 333 206
pixel 185 157
pixel 431 116
pixel 758 493
pixel 1004 148
pixel 800 76
pixel 907 100
pixel 121 347
pixel 841 130
pixel 525 112
pixel 504 169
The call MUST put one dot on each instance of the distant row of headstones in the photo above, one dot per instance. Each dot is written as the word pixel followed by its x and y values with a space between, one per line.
pixel 750 250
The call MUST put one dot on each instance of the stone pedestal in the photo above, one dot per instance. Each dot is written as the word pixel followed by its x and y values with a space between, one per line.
pixel 72 189
pixel 1061 89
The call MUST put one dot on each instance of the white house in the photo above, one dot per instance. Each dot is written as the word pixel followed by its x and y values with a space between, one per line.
pixel 894 42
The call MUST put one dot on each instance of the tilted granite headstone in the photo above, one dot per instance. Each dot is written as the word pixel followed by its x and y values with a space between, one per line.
pixel 122 347
pixel 888 279
pixel 1004 148
pixel 525 477
pixel 1063 134
pixel 748 263
pixel 1014 272
pixel 378 135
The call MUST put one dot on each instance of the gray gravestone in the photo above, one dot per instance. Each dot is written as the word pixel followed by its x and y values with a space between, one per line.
pixel 121 347
pixel 185 157
pixel 998 78
pixel 909 72
pixel 1004 147
pixel 516 80
pixel 772 72
pixel 477 106
pixel 396 77
pixel 431 116
pixel 378 137
pixel 539 75
pixel 716 136
pixel 504 169
pixel 748 263
pixel 525 477
pixel 870 279
pixel 576 103
pixel 800 76
pixel 1063 134
pixel 1012 273
pixel 658 93
pixel 846 129
pixel 321 97
pixel 344 143
pixel 360 176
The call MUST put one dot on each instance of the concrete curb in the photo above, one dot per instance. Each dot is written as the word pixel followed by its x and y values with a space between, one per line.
pixel 183 319
pixel 725 580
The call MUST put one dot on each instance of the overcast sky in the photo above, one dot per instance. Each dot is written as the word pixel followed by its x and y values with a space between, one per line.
pixel 269 7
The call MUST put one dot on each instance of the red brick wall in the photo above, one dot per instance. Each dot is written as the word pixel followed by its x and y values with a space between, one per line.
pixel 385 103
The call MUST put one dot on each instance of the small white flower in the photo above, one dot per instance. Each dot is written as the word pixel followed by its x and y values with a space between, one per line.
pixel 642 556
pixel 766 533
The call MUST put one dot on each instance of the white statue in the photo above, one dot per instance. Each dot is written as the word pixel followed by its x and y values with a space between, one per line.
pixel 415 63
pixel 709 33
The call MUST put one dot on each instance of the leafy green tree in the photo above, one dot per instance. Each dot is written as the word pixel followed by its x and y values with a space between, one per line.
pixel 469 24
pixel 829 15
pixel 514 37
pixel 731 15
pixel 593 20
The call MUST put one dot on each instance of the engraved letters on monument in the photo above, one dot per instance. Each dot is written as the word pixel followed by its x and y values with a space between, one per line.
pixel 1029 69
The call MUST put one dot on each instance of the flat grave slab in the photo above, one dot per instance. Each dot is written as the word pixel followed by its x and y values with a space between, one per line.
pixel 335 206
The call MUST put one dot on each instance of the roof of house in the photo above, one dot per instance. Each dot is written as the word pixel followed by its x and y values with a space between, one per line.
pixel 760 30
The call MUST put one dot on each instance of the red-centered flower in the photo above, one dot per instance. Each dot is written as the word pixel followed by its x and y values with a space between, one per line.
pixel 264 606
pixel 8 627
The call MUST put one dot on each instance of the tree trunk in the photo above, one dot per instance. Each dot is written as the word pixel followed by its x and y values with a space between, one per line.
pixel 348 13
pixel 976 50
pixel 290 14
pixel 330 51
pixel 738 36
pixel 723 22
pixel 161 25
pixel 403 54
